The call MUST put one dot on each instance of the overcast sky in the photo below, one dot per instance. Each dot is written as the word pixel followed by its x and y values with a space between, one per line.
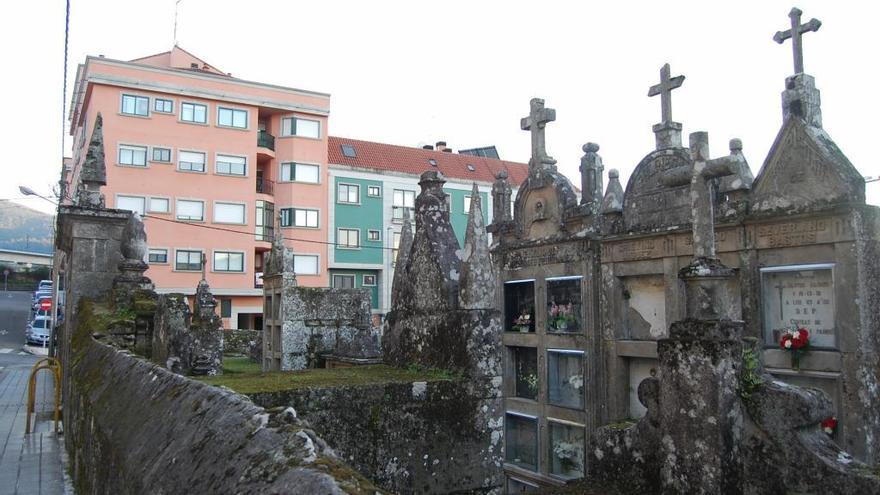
pixel 417 72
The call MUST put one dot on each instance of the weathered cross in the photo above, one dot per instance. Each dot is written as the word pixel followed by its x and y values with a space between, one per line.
pixel 797 29
pixel 535 123
pixel 204 261
pixel 664 89
pixel 698 174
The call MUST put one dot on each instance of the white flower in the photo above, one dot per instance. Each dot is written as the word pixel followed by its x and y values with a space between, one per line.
pixel 828 430
pixel 787 344
pixel 576 381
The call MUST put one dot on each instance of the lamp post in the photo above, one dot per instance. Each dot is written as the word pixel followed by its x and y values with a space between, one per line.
pixel 30 192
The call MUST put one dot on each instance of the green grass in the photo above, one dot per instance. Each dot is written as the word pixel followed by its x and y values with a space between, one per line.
pixel 239 377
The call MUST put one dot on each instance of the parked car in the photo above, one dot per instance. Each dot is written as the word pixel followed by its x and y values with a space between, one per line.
pixel 44 285
pixel 37 332
pixel 42 293
pixel 39 302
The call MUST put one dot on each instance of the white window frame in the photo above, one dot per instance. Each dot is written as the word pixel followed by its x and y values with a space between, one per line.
pixel 233 110
pixel 378 235
pixel 394 206
pixel 293 166
pixel 288 127
pixel 292 217
pixel 151 250
pixel 153 154
pixel 467 204
pixel 218 159
pixel 136 97
pixel 163 198
pixel 226 251
pixel 197 122
pixel 132 148
pixel 364 282
pixel 188 250
pixel 190 170
pixel 188 200
pixel 377 188
pixel 243 207
pixel 304 255
pixel 346 202
pixel 143 200
pixel 348 232
pixel 169 100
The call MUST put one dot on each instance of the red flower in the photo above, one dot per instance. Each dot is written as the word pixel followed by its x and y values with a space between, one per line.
pixel 829 425
pixel 786 338
pixel 804 334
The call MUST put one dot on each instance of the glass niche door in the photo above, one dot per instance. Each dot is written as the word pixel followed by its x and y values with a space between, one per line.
pixel 564 305
pixel 519 306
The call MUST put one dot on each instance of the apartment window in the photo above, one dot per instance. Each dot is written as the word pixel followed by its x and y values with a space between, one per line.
pixel 299 217
pixel 159 205
pixel 229 213
pixel 225 307
pixel 374 235
pixel 136 156
pixel 194 112
pixel 190 210
pixel 295 126
pixel 186 260
pixel 226 261
pixel 467 204
pixel 264 220
pixel 162 105
pixel 231 117
pixel 348 193
pixel 131 203
pixel 343 281
pixel 300 172
pixel 374 191
pixel 135 105
pixel 305 264
pixel 369 280
pixel 402 201
pixel 157 255
pixel 396 245
pixel 191 161
pixel 231 165
pixel 161 154
pixel 348 238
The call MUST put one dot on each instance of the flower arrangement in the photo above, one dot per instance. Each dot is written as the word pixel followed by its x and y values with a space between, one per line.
pixel 531 379
pixel 562 316
pixel 523 323
pixel 576 381
pixel 796 341
pixel 569 455
pixel 829 425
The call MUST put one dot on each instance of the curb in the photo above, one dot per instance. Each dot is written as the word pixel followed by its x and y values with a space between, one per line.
pixel 36 351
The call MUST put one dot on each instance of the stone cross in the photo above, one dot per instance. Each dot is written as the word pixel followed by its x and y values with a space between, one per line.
pixel 699 174
pixel 797 29
pixel 664 89
pixel 535 123
pixel 204 264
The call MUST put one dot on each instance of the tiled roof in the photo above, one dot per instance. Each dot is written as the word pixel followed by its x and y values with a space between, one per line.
pixel 407 160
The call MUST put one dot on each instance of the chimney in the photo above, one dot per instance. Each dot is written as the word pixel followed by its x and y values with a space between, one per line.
pixel 193 65
pixel 427 147
pixel 441 146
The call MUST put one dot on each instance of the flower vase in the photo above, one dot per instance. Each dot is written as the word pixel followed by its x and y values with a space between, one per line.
pixel 561 325
pixel 796 359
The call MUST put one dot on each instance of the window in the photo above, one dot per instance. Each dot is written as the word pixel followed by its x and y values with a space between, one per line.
pixel 343 281
pixel 369 280
pixel 231 117
pixel 135 105
pixel 395 251
pixel 348 238
pixel 230 165
pixel 525 371
pixel 191 161
pixel 521 440
pixel 470 167
pixel 300 172
pixel 156 255
pixel 565 378
pixel 564 304
pixel 131 203
pixel 374 235
pixel 194 112
pixel 348 193
pixel 519 306
pixel 162 105
pixel 374 191
pixel 432 162
pixel 348 150
pixel 467 204
pixel 225 261
pixel 305 264
pixel 225 307
pixel 265 220
pixel 566 450
pixel 190 210
pixel 161 154
pixel 136 156
pixel 295 126
pixel 159 205
pixel 299 217
pixel 190 261
pixel 229 213
pixel 402 201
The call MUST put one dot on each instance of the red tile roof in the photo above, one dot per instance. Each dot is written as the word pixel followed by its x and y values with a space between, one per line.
pixel 407 160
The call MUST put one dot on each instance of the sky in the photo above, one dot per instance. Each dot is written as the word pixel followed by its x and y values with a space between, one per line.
pixel 414 73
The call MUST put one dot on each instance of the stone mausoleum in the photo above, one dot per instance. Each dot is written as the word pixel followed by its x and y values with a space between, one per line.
pixel 590 287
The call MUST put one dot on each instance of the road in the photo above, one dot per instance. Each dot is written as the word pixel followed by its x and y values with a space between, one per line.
pixel 29 464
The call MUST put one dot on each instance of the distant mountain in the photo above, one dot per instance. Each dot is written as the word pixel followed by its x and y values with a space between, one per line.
pixel 24 229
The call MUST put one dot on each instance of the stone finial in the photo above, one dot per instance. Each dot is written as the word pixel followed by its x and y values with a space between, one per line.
pixel 501 194
pixel 403 249
pixel 134 238
pixel 742 178
pixel 667 133
pixel 94 169
pixel 802 100
pixel 478 281
pixel 613 200
pixel 535 124
pixel 591 176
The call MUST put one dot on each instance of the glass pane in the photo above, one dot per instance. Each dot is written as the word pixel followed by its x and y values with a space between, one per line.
pixel 525 370
pixel 127 104
pixel 307 265
pixel 228 213
pixel 159 205
pixel 799 299
pixel 564 305
pixel 143 106
pixel 521 441
pixel 519 306
pixel 224 116
pixel 565 378
pixel 239 119
pixel 189 210
pixel 353 193
pixel 200 112
pixel 286 127
pixel 307 173
pixel 131 203
pixel 308 128
pixel 186 112
pixel 566 450
pixel 301 218
pixel 221 261
pixel 312 218
pixel 398 198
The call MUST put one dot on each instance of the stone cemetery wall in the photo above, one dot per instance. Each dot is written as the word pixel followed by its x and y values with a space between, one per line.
pixel 121 441
pixel 422 437
pixel 243 342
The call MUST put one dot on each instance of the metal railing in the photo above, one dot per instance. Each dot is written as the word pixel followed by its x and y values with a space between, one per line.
pixel 266 140
pixel 265 186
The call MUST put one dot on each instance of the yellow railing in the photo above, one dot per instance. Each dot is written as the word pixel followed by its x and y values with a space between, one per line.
pixel 54 366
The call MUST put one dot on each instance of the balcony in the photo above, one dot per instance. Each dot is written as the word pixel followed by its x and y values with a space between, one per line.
pixel 265 186
pixel 265 145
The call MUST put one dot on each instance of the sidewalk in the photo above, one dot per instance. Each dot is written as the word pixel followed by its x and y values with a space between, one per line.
pixel 29 464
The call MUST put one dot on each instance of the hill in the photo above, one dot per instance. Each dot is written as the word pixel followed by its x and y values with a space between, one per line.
pixel 24 229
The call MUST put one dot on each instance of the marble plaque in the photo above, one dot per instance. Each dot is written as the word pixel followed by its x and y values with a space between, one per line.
pixel 799 297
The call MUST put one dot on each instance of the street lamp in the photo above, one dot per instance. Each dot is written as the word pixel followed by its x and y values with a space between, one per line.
pixel 30 192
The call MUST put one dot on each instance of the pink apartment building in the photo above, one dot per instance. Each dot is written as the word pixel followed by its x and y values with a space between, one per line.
pixel 206 157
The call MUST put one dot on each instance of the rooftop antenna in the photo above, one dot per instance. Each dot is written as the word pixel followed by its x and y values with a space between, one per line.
pixel 176 3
